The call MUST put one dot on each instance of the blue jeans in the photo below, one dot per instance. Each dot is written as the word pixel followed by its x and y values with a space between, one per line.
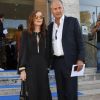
pixel 98 56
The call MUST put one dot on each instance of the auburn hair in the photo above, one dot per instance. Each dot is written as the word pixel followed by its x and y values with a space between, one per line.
pixel 31 26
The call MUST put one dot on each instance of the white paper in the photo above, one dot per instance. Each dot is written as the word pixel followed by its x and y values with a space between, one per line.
pixel 77 73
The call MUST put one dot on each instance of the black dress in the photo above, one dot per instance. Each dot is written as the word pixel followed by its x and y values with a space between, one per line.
pixel 36 66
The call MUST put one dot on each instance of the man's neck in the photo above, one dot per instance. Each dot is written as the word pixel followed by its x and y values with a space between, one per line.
pixel 57 21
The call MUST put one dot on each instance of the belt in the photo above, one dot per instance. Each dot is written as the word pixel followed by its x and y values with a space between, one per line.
pixel 58 57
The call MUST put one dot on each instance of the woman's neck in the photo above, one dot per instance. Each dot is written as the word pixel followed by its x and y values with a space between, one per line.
pixel 37 29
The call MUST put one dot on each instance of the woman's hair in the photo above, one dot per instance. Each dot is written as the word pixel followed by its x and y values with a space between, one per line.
pixel 31 26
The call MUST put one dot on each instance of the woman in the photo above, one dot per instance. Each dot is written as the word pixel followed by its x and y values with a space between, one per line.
pixel 32 57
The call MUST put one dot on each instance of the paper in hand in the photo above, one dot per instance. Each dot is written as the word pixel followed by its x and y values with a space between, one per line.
pixel 74 71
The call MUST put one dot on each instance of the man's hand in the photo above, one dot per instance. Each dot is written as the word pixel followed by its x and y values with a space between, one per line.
pixel 80 65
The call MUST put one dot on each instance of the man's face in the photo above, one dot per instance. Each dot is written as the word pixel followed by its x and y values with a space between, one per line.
pixel 57 9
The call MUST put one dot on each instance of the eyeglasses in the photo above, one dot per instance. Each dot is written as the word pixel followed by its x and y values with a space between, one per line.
pixel 38 17
pixel 56 34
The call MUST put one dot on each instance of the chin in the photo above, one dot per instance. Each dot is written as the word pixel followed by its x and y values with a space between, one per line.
pixel 39 24
pixel 58 17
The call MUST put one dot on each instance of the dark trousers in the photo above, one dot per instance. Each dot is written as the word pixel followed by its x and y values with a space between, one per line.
pixel 66 85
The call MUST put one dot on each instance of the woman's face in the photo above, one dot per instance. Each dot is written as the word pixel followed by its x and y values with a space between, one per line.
pixel 38 19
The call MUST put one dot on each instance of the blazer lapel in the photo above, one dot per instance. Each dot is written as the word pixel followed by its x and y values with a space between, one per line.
pixel 64 26
pixel 51 30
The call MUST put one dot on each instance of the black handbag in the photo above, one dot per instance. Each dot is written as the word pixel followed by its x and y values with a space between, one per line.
pixel 23 91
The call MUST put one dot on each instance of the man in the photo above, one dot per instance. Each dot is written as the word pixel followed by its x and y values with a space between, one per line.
pixel 96 30
pixel 66 48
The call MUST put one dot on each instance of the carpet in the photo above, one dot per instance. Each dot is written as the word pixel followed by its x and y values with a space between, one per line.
pixel 11 97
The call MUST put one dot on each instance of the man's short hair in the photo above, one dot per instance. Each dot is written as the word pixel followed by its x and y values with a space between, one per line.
pixel 57 0
pixel 60 1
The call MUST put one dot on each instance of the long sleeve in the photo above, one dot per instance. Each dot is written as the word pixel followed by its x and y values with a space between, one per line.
pixel 23 53
pixel 79 41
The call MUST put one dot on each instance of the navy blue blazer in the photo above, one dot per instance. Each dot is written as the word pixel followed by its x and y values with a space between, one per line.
pixel 72 42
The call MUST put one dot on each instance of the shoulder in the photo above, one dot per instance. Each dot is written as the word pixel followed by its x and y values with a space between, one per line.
pixel 71 21
pixel 70 18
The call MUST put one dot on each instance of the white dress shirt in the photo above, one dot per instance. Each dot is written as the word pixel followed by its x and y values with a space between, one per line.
pixel 57 38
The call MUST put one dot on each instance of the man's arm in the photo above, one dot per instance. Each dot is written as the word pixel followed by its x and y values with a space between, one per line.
pixel 79 40
pixel 80 45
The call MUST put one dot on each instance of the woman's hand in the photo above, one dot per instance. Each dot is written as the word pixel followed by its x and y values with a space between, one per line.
pixel 23 75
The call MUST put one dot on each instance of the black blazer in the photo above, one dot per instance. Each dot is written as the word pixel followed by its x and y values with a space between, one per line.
pixel 71 41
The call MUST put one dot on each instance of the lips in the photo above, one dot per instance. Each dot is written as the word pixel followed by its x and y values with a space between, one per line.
pixel 39 21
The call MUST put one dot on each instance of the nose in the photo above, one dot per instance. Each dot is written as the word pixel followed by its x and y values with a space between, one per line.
pixel 58 10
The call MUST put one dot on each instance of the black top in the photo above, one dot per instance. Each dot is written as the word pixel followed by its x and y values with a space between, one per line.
pixel 41 44
pixel 28 48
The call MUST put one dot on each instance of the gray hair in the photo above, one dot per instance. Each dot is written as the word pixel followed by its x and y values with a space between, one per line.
pixel 56 0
